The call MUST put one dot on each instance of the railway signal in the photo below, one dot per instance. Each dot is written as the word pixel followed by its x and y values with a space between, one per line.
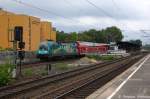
pixel 18 38
pixel 21 45
pixel 21 55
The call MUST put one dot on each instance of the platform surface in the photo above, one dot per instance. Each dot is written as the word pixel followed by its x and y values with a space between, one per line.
pixel 134 83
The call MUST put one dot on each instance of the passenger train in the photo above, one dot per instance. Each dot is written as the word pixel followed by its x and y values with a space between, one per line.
pixel 51 49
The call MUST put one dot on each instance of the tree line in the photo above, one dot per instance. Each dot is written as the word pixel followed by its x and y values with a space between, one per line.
pixel 107 35
pixel 110 34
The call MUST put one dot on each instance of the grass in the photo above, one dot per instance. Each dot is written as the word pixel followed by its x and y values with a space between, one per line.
pixel 43 72
pixel 28 72
pixel 103 58
pixel 61 66
pixel 32 72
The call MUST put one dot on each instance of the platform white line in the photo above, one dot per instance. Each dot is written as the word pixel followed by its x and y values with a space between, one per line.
pixel 121 85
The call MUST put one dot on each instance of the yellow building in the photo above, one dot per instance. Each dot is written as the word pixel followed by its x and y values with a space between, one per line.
pixel 53 35
pixel 5 41
pixel 20 20
pixel 47 32
pixel 2 12
pixel 46 28
pixel 34 31
pixel 4 32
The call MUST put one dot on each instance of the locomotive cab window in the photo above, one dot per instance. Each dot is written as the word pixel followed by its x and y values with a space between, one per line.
pixel 43 47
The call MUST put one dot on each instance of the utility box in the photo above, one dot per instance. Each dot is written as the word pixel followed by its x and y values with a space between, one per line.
pixel 46 29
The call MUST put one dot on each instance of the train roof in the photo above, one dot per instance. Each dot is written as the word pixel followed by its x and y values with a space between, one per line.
pixel 125 43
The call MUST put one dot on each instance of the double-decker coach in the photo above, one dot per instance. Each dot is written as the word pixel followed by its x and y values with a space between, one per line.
pixel 90 48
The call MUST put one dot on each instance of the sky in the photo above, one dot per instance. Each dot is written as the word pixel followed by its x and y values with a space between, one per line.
pixel 131 16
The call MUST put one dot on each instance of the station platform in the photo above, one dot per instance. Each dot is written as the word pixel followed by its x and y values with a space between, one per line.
pixel 134 83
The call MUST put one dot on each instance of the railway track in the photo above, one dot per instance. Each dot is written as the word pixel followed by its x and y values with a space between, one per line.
pixel 60 85
pixel 32 64
pixel 39 63
pixel 84 90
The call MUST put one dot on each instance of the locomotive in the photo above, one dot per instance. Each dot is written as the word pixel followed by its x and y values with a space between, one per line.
pixel 51 49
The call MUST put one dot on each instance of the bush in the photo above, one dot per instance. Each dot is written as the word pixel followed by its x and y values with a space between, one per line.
pixel 6 49
pixel 5 73
pixel 9 49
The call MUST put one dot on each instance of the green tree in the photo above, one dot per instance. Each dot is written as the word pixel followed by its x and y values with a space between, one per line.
pixel 113 34
pixel 61 36
pixel 83 37
pixel 110 34
pixel 73 36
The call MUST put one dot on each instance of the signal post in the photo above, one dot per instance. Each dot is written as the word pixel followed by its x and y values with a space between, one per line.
pixel 19 53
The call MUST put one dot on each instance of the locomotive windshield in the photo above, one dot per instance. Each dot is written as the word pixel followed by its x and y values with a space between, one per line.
pixel 43 46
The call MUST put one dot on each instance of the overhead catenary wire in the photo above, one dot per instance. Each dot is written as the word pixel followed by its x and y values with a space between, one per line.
pixel 118 8
pixel 91 3
pixel 67 18
pixel 72 5
pixel 48 11
pixel 115 4
pixel 146 33
pixel 104 12
pixel 53 13
pixel 100 9
pixel 43 10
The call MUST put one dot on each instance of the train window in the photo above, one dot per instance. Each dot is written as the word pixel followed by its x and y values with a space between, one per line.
pixel 62 46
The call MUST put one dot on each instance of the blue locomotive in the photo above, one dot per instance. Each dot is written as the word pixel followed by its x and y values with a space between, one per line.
pixel 50 49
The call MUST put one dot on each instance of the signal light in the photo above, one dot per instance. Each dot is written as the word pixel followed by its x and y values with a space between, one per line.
pixel 21 45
